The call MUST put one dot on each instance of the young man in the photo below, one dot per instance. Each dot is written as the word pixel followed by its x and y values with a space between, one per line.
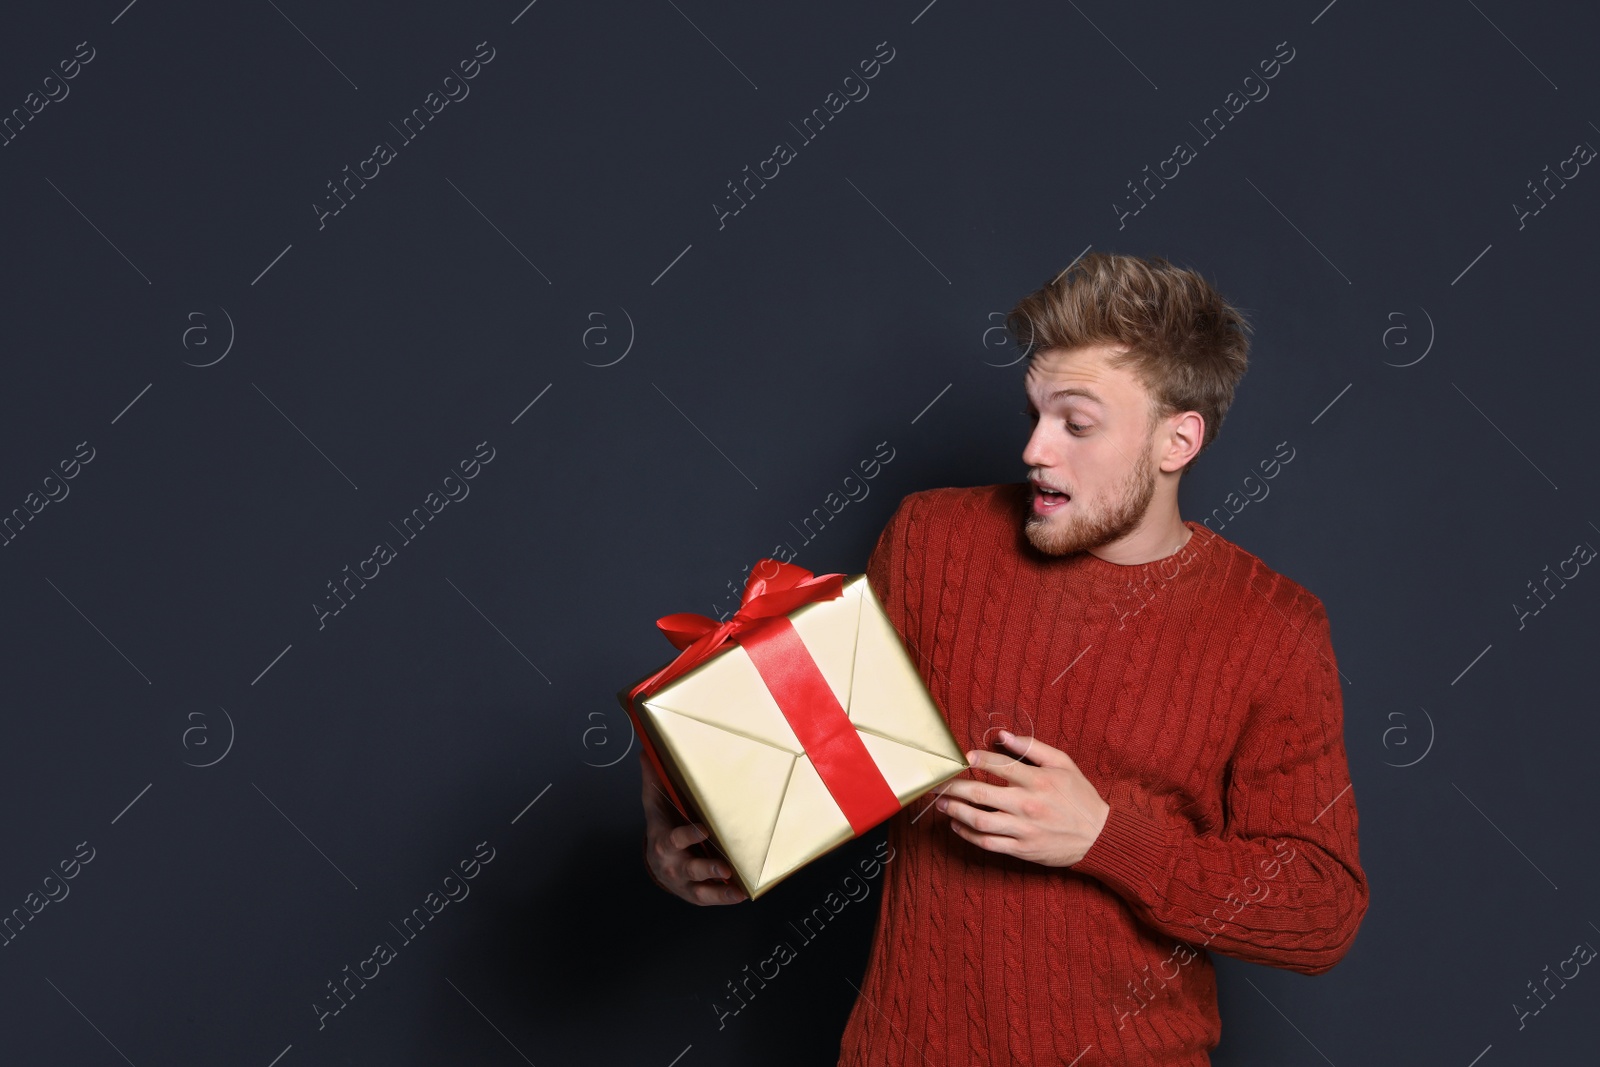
pixel 1171 776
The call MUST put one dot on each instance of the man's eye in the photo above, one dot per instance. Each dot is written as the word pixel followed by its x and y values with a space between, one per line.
pixel 1075 428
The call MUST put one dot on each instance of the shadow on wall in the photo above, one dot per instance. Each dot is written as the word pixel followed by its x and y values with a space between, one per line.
pixel 566 938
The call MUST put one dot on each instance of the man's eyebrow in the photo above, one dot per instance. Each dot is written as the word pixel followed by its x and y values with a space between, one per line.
pixel 1075 390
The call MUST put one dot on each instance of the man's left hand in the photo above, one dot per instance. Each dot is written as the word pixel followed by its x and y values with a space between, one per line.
pixel 1047 813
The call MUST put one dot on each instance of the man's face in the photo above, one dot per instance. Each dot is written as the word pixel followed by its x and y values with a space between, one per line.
pixel 1090 454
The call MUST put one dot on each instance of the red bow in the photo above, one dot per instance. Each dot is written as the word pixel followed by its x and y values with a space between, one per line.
pixel 700 637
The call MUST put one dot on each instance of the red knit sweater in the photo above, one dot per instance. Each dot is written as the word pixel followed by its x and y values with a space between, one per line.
pixel 1200 696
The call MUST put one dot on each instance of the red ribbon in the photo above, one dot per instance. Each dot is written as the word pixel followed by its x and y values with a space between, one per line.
pixel 761 626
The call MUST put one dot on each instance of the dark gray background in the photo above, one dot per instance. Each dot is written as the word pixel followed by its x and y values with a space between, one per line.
pixel 1362 214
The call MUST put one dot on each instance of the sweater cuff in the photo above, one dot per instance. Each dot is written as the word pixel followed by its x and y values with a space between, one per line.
pixel 1132 856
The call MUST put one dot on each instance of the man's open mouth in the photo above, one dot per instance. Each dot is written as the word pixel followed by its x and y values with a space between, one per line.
pixel 1047 499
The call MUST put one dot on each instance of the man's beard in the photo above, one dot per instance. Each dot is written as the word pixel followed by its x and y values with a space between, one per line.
pixel 1091 529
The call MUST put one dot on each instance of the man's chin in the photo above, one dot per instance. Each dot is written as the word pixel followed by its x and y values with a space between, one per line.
pixel 1055 539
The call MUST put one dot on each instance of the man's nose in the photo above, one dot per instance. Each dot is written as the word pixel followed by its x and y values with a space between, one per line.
pixel 1034 453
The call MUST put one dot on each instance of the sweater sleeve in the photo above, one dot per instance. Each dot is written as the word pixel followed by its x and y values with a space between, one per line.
pixel 1281 884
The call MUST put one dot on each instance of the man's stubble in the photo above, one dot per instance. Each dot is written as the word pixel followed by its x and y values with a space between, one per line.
pixel 1091 529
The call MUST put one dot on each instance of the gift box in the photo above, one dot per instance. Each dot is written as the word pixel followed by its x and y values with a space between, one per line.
pixel 794 726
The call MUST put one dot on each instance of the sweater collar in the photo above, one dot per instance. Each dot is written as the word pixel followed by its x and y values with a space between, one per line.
pixel 1168 567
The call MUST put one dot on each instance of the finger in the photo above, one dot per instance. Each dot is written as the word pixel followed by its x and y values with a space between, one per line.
pixel 991 842
pixel 1032 748
pixel 704 870
pixel 1000 797
pixel 682 837
pixel 1005 766
pixel 715 893
pixel 998 823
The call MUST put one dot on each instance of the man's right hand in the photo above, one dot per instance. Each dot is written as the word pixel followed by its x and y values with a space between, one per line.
pixel 666 852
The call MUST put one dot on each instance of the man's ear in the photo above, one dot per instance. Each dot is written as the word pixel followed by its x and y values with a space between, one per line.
pixel 1185 433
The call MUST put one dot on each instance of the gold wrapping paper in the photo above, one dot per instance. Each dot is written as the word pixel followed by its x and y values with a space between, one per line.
pixel 743 773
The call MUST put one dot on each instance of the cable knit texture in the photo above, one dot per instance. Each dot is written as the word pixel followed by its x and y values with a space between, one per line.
pixel 1200 695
